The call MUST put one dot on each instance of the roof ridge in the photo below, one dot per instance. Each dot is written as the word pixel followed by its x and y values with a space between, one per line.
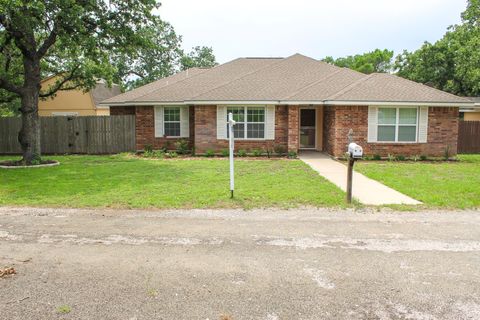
pixel 235 79
pixel 423 84
pixel 312 84
pixel 350 87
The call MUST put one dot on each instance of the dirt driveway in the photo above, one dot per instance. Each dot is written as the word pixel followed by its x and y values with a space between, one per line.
pixel 227 264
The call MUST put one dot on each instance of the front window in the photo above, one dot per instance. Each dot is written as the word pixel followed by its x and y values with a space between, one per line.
pixel 171 120
pixel 250 122
pixel 397 124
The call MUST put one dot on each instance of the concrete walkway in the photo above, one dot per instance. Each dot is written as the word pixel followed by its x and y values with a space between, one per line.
pixel 365 190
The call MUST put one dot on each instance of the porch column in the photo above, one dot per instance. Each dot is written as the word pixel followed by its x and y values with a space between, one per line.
pixel 293 132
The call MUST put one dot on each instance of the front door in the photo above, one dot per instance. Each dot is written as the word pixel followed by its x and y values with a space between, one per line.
pixel 307 128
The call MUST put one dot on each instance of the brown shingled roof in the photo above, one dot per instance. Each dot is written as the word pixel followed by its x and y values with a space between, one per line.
pixel 295 79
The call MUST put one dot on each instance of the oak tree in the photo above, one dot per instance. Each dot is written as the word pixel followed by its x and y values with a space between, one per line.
pixel 74 39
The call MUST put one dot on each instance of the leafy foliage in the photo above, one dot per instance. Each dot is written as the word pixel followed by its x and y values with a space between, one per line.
pixel 120 41
pixel 200 57
pixel 375 61
pixel 158 56
pixel 452 63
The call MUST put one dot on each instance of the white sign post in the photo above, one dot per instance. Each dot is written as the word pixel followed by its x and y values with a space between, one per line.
pixel 231 146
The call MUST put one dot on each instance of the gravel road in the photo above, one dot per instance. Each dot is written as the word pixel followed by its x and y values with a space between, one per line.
pixel 235 264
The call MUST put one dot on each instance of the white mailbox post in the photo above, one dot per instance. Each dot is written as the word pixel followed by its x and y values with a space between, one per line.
pixel 354 152
pixel 231 147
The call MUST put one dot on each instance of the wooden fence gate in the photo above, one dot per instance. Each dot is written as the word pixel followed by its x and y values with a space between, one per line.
pixel 469 137
pixel 60 135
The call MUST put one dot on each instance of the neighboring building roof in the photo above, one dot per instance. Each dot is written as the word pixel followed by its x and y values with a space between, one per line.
pixel 476 106
pixel 102 92
pixel 475 100
pixel 296 79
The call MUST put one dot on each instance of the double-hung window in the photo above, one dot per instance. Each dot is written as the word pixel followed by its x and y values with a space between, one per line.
pixel 397 124
pixel 250 122
pixel 171 120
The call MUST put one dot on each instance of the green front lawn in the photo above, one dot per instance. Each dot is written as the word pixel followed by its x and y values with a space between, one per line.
pixel 436 184
pixel 124 181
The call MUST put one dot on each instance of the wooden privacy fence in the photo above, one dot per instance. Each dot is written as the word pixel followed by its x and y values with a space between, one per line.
pixel 60 135
pixel 469 137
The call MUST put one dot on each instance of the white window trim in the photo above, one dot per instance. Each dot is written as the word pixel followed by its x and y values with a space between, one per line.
pixel 398 124
pixel 179 121
pixel 245 122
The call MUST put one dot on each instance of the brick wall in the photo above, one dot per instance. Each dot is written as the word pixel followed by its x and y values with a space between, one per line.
pixel 442 132
pixel 145 130
pixel 293 132
pixel 329 130
pixel 206 132
pixel 122 111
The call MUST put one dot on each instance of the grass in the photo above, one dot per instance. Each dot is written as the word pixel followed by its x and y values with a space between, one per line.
pixel 64 309
pixel 124 181
pixel 436 184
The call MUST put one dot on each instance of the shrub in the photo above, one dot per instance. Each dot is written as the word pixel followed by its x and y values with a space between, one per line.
pixel 401 158
pixel 182 146
pixel 166 146
pixel 292 154
pixel 390 157
pixel 280 149
pixel 193 151
pixel 415 158
pixel 377 157
pixel 209 153
pixel 257 152
pixel 158 154
pixel 172 154
pixel 225 153
pixel 148 148
pixel 423 157
pixel 148 151
pixel 242 153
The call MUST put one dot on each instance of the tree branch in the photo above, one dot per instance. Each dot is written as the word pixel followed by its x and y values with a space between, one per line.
pixel 59 84
pixel 130 72
pixel 5 84
pixel 52 37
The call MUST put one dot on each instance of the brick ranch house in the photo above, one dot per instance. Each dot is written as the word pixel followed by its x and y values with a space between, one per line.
pixel 293 103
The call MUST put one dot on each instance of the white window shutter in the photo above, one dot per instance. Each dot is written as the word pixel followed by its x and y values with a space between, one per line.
pixel 221 122
pixel 184 122
pixel 158 122
pixel 372 123
pixel 423 124
pixel 270 123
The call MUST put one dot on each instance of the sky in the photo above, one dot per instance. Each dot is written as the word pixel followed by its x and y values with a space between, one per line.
pixel 316 28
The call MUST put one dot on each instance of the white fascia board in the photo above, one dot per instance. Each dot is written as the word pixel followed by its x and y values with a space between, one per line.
pixel 398 103
pixel 232 102
pixel 151 103
pixel 313 102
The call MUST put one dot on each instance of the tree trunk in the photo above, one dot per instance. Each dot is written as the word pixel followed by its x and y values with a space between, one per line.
pixel 29 135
